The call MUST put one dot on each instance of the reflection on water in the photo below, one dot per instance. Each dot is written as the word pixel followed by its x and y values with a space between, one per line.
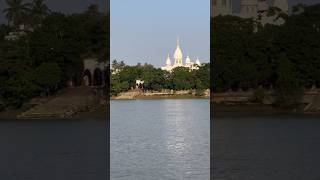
pixel 160 139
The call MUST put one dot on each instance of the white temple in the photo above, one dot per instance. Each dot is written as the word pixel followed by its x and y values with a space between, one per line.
pixel 256 9
pixel 178 61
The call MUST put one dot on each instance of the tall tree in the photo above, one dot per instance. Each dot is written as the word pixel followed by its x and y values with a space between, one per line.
pixel 16 11
pixel 39 10
pixel 93 10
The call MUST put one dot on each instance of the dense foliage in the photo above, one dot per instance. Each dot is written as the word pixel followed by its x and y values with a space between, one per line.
pixel 124 77
pixel 283 58
pixel 50 53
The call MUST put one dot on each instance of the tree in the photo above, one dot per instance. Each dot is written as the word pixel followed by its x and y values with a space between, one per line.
pixel 288 86
pixel 93 10
pixel 3 32
pixel 285 57
pixel 232 61
pixel 117 66
pixel 181 79
pixel 16 12
pixel 38 11
pixel 19 88
pixel 123 77
pixel 45 59
pixel 153 77
pixel 203 77
pixel 47 76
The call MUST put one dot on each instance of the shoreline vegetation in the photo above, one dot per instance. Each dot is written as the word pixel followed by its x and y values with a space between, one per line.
pixel 42 57
pixel 270 65
pixel 143 80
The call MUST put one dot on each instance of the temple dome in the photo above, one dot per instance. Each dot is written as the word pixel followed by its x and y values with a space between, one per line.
pixel 178 52
pixel 178 61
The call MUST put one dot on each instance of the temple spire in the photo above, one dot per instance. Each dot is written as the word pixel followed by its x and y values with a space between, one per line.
pixel 178 41
pixel 168 61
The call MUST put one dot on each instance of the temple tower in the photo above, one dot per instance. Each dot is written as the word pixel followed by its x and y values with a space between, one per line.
pixel 249 8
pixel 178 55
pixel 221 7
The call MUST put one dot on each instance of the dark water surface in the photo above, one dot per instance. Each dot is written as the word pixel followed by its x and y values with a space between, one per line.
pixel 268 147
pixel 160 139
pixel 53 150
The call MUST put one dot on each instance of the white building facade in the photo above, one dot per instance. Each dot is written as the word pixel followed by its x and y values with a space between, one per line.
pixel 178 60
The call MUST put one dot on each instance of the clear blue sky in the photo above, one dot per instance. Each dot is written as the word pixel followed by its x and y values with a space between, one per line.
pixel 145 31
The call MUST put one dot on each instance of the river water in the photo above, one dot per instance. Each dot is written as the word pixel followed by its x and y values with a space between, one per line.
pixel 264 147
pixel 160 139
pixel 163 139
pixel 53 149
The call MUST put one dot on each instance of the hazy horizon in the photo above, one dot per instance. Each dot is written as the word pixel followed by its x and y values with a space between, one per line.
pixel 146 31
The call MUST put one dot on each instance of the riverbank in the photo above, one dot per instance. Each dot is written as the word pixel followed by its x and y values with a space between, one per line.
pixel 309 102
pixel 99 113
pixel 91 106
pixel 252 110
pixel 223 110
pixel 10 113
pixel 68 103
pixel 164 94
pixel 102 112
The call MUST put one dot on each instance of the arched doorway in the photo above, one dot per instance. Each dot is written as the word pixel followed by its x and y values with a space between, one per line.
pixel 97 77
pixel 87 78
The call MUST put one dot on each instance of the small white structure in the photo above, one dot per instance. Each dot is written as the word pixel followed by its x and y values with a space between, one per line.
pixel 13 36
pixel 20 32
pixel 178 60
pixel 139 84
